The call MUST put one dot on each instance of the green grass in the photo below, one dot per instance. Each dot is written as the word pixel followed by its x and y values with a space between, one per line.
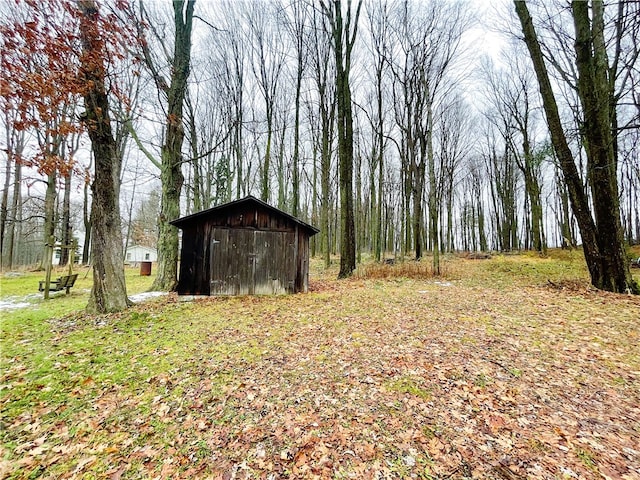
pixel 408 385
pixel 24 283
pixel 390 375
pixel 31 326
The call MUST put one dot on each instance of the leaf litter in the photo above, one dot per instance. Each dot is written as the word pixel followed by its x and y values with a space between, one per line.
pixel 357 379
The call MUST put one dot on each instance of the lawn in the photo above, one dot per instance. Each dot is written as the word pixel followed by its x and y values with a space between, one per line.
pixel 511 367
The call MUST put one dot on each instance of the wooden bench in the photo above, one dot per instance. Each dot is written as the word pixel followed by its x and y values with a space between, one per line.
pixel 61 283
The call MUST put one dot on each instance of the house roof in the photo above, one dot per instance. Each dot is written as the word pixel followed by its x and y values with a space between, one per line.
pixel 131 247
pixel 248 200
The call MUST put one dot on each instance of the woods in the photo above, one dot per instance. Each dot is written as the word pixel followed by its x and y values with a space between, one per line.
pixel 601 231
pixel 320 239
pixel 383 123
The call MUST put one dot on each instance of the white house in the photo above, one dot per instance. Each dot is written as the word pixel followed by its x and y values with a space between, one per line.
pixel 138 253
pixel 78 236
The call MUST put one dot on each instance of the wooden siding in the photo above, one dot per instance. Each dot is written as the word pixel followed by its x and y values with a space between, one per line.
pixel 248 216
pixel 194 261
pixel 245 247
pixel 252 262
pixel 302 264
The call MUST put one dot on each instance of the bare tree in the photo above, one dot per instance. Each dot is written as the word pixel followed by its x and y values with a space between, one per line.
pixel 223 99
pixel 109 291
pixel 428 42
pixel 509 92
pixel 171 175
pixel 297 25
pixel 343 22
pixel 268 60
pixel 377 15
pixel 454 129
pixel 602 236
pixel 501 170
pixel 321 70
pixel 15 143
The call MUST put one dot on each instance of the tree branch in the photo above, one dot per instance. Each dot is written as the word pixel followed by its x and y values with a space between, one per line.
pixel 142 148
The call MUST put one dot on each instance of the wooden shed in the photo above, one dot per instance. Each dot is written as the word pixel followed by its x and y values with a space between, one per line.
pixel 243 247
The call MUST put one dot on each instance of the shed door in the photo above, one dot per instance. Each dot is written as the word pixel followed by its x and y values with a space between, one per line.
pixel 275 267
pixel 220 277
pixel 252 262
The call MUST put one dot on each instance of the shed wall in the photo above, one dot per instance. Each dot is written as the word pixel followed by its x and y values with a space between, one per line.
pixel 248 262
pixel 302 264
pixel 246 250
pixel 194 261
pixel 250 216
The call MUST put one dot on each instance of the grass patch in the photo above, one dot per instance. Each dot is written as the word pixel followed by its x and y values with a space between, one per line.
pixel 559 266
pixel 23 286
pixel 420 269
pixel 587 458
pixel 409 386
pixel 481 380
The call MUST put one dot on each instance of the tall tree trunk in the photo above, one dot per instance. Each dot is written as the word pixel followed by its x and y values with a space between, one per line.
pixel 344 35
pixel 238 116
pixel 200 196
pixel 594 92
pixel 265 178
pixel 16 215
pixel 481 233
pixel 5 202
pixel 380 242
pixel 12 213
pixel 127 236
pixel 295 193
pixel 417 191
pixel 450 237
pixel 433 194
pixel 109 292
pixel 314 201
pixel 532 187
pixel 379 22
pixel 326 117
pixel 602 240
pixel 86 219
pixel 49 215
pixel 67 230
pixel 406 203
pixel 15 145
pixel 282 188
pixel 171 150
pixel 378 230
pixel 359 220
pixel 325 188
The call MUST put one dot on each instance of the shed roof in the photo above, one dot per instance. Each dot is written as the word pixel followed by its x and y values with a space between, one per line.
pixel 246 201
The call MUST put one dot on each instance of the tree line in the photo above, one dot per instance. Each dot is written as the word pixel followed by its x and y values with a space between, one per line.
pixel 377 121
